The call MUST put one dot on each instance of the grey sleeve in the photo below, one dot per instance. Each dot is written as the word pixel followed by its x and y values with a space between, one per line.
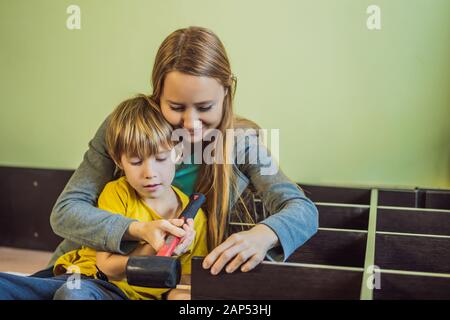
pixel 75 216
pixel 292 216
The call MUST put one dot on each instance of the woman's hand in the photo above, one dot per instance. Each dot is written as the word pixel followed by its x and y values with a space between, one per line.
pixel 155 232
pixel 246 248
pixel 187 240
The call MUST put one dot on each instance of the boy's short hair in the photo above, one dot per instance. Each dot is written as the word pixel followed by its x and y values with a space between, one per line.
pixel 137 128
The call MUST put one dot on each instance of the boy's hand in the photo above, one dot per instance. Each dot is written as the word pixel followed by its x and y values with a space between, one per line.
pixel 155 232
pixel 187 240
pixel 143 249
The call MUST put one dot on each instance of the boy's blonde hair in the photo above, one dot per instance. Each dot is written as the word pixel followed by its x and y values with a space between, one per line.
pixel 137 129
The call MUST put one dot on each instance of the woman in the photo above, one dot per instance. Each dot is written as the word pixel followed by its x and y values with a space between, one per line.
pixel 194 87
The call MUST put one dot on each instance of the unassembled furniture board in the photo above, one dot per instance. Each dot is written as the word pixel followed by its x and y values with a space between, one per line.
pixel 372 243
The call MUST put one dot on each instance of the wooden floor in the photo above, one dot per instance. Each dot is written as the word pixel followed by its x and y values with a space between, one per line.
pixel 23 261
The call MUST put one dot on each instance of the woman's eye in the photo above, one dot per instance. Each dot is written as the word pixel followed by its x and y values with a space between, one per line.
pixel 177 108
pixel 161 159
pixel 136 163
pixel 204 109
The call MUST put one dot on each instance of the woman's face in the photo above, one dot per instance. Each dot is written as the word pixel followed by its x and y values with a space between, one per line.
pixel 192 102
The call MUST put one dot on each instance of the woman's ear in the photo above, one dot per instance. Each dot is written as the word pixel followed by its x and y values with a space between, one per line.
pixel 118 165
pixel 177 153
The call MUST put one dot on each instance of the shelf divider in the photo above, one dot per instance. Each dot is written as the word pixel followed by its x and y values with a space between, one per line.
pixel 369 261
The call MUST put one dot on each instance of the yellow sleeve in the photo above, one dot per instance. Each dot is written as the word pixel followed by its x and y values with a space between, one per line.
pixel 114 197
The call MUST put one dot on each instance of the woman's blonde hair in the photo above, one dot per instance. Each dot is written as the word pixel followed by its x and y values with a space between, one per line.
pixel 137 128
pixel 198 51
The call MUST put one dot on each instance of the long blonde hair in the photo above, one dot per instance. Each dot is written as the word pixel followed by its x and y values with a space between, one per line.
pixel 198 51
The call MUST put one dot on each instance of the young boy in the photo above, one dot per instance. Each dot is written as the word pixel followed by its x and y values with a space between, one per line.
pixel 138 139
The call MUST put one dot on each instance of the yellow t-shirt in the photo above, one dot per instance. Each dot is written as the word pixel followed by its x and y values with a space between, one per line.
pixel 119 197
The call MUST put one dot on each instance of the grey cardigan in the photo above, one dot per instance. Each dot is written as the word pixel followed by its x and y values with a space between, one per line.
pixel 75 217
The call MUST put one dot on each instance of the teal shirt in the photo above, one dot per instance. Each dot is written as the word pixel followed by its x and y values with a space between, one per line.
pixel 185 177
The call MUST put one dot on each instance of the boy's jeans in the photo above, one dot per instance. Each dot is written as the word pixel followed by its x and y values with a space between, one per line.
pixel 14 287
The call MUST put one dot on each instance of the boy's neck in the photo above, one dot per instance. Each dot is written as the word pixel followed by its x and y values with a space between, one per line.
pixel 168 205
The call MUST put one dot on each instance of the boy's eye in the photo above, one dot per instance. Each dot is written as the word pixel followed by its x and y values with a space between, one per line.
pixel 163 156
pixel 136 162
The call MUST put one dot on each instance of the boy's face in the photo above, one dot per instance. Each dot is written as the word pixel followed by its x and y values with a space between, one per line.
pixel 151 177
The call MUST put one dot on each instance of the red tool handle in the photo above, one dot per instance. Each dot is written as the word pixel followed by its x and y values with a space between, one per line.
pixel 195 202
pixel 169 246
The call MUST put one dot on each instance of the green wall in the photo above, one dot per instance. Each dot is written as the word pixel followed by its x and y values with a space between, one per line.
pixel 354 107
